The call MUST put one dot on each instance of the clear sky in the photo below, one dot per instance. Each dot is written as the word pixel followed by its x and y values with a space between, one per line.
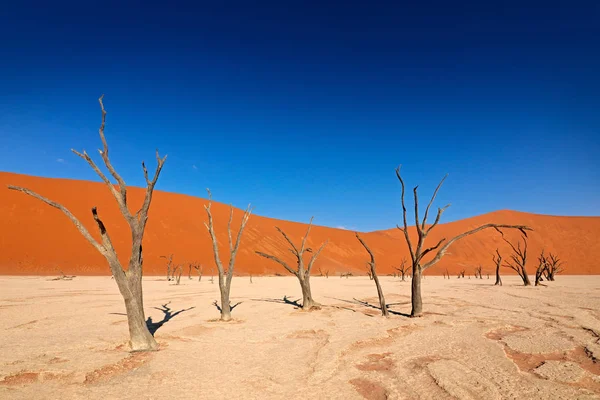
pixel 305 108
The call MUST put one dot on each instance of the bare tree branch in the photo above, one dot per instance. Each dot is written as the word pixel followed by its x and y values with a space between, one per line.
pixel 431 202
pixel 441 252
pixel 76 222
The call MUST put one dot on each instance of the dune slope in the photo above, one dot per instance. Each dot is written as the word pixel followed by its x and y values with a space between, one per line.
pixel 36 239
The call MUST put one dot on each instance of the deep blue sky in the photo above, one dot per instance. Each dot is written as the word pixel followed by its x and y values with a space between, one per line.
pixel 305 108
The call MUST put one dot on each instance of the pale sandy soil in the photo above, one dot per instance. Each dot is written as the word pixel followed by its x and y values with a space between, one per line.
pixel 64 340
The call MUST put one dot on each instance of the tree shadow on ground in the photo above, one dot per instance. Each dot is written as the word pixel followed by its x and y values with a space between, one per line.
pixel 231 307
pixel 153 326
pixel 285 300
pixel 367 304
pixel 168 314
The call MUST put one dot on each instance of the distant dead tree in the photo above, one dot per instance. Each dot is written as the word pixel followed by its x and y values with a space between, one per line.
pixel 373 275
pixel 302 273
pixel 63 277
pixel 326 274
pixel 190 265
pixel 554 266
pixel 170 269
pixel 225 276
pixel 129 281
pixel 497 259
pixel 419 252
pixel 198 267
pixel 478 272
pixel 518 259
pixel 402 269
pixel 177 273
pixel 461 274
pixel 539 271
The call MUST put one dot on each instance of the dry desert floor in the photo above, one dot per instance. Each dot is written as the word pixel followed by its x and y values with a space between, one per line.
pixel 67 340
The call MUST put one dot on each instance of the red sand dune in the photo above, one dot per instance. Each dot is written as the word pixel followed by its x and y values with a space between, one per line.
pixel 36 239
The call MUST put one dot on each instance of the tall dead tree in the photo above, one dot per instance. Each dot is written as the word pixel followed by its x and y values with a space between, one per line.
pixel 518 259
pixel 372 267
pixel 419 252
pixel 302 273
pixel 128 280
pixel 225 276
pixel 554 266
pixel 403 268
pixel 497 259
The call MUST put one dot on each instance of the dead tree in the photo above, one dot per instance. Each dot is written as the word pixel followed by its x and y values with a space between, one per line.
pixel 478 272
pixel 326 274
pixel 539 271
pixel 373 273
pixel 419 252
pixel 170 269
pixel 403 268
pixel 129 281
pixel 302 273
pixel 225 276
pixel 198 268
pixel 177 273
pixel 497 259
pixel 518 259
pixel 190 271
pixel 554 266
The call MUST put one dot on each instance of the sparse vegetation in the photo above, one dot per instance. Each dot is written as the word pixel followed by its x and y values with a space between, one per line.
pixel 128 280
pixel 418 253
pixel 302 273
pixel 225 276
pixel 373 276
pixel 518 259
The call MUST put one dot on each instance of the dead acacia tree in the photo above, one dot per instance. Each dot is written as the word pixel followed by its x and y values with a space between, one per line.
pixel 554 266
pixel 225 276
pixel 478 272
pixel 128 280
pixel 302 273
pixel 373 274
pixel 419 252
pixel 403 268
pixel 541 268
pixel 497 259
pixel 198 267
pixel 177 273
pixel 518 259
pixel 170 269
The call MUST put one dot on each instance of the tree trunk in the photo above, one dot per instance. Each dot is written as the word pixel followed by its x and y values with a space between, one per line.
pixel 130 286
pixel 225 303
pixel 417 302
pixel 384 310
pixel 525 277
pixel 307 300
pixel 498 280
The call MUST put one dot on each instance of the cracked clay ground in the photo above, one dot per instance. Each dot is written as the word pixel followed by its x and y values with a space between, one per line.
pixel 66 339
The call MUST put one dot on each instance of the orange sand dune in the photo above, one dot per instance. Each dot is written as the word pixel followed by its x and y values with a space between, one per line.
pixel 36 239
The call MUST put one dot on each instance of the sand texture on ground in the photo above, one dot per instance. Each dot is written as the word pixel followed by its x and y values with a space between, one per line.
pixel 36 239
pixel 67 340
